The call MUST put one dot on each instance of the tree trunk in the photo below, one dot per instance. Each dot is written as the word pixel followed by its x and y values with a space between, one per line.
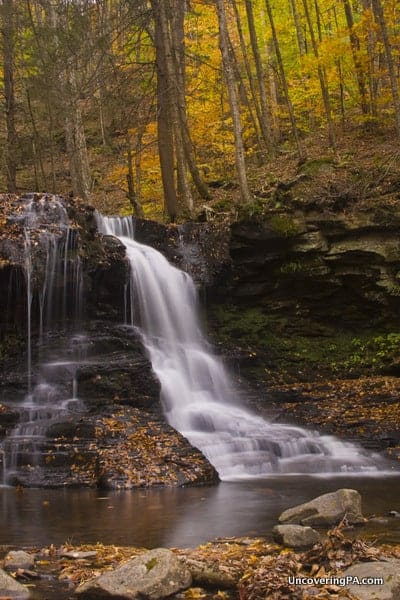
pixel 65 71
pixel 132 196
pixel 172 98
pixel 178 44
pixel 355 49
pixel 261 143
pixel 372 80
pixel 265 121
pixel 233 101
pixel 380 18
pixel 284 80
pixel 165 136
pixel 299 32
pixel 8 79
pixel 322 80
pixel 75 137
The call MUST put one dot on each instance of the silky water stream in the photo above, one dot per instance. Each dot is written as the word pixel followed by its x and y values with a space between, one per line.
pixel 53 277
pixel 197 394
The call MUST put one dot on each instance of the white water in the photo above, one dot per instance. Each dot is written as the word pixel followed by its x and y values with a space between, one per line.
pixel 54 296
pixel 197 393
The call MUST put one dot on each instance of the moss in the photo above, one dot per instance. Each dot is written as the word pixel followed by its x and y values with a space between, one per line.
pixel 151 563
pixel 291 267
pixel 284 225
pixel 252 210
pixel 305 267
pixel 324 164
pixel 10 344
pixel 300 346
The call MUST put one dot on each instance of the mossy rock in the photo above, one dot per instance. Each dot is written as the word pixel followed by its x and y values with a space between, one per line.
pixel 286 225
pixel 317 166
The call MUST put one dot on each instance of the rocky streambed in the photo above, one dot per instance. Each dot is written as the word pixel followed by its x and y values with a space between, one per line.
pixel 303 563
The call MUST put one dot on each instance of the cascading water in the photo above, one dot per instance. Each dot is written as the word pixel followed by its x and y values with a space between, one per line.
pixel 54 296
pixel 196 391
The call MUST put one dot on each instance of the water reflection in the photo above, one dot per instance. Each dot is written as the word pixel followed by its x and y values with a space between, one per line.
pixel 173 517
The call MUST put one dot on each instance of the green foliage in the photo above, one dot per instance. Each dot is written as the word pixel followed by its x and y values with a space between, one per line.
pixel 299 345
pixel 291 267
pixel 375 351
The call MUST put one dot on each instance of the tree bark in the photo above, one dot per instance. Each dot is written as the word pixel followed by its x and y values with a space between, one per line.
pixel 233 101
pixel 265 121
pixel 75 137
pixel 380 18
pixel 282 73
pixel 299 32
pixel 9 96
pixel 178 45
pixel 322 79
pixel 261 143
pixel 372 80
pixel 132 196
pixel 355 49
pixel 66 75
pixel 165 135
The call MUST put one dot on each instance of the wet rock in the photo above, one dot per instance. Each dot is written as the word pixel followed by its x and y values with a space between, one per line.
pixel 379 520
pixel 127 448
pixel 18 559
pixel 296 536
pixel 210 574
pixel 78 555
pixel 290 261
pixel 363 587
pixel 328 509
pixel 153 575
pixel 141 450
pixel 8 418
pixel 9 588
pixel 128 378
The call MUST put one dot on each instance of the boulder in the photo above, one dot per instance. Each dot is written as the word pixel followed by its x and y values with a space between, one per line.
pixel 363 588
pixel 9 588
pixel 328 509
pixel 153 575
pixel 295 536
pixel 208 573
pixel 18 559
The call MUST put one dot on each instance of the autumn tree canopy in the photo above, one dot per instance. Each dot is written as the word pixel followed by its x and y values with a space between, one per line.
pixel 149 102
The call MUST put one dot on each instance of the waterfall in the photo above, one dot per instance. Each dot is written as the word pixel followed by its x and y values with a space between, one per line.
pixel 198 396
pixel 54 282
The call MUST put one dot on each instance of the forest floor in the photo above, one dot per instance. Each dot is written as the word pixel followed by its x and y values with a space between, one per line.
pixel 365 165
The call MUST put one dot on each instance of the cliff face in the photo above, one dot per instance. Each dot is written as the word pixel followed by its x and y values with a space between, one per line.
pixel 340 269
pixel 312 293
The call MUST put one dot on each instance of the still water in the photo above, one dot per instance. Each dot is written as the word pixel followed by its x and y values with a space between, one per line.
pixel 181 517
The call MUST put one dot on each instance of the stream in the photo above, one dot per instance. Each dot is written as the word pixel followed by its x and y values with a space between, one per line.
pixel 178 517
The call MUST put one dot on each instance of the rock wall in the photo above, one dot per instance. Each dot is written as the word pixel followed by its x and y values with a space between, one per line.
pixel 336 268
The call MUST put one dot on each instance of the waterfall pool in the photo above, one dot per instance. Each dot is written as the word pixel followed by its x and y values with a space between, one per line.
pixel 179 517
